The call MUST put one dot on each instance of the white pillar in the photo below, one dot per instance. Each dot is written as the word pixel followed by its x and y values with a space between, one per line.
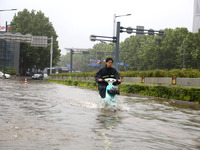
pixel 196 16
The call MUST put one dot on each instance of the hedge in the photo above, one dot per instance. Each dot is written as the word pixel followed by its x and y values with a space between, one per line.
pixel 169 92
pixel 73 82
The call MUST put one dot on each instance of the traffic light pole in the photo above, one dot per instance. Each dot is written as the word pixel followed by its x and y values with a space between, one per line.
pixel 139 31
pixel 71 59
pixel 117 46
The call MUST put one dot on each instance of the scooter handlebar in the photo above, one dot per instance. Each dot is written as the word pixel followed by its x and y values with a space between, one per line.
pixel 110 80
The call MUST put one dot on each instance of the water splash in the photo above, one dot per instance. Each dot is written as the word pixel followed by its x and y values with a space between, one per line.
pixel 121 106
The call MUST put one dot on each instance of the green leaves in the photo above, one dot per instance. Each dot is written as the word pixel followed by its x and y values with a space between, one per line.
pixel 155 52
pixel 35 23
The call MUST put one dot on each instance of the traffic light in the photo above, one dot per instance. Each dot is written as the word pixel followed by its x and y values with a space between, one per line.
pixel 151 32
pixel 71 51
pixel 161 32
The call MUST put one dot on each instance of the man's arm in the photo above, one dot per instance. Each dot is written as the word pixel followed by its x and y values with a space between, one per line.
pixel 98 76
pixel 117 76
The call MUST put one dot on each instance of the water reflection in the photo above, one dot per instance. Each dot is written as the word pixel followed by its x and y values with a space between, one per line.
pixel 51 116
pixel 107 121
pixel 108 118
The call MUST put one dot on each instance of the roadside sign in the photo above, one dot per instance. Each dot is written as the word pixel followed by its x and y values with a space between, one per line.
pixel 121 63
pixel 69 66
pixel 140 31
pixel 39 41
pixel 94 62
pixel 18 37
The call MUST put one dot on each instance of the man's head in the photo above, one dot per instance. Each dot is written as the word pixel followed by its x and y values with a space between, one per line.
pixel 109 62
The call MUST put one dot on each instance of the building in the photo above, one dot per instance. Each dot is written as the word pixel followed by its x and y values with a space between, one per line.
pixel 196 16
pixel 9 54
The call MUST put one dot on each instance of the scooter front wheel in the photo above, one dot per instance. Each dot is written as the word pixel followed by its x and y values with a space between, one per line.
pixel 114 108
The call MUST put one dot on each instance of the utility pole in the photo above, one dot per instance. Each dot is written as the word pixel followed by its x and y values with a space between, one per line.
pixel 5 46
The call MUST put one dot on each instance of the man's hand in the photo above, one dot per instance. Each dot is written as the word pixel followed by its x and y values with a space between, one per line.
pixel 119 81
pixel 100 80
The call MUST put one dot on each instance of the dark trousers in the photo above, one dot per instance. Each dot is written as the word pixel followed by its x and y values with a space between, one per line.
pixel 102 90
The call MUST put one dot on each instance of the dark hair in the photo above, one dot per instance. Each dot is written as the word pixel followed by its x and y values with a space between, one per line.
pixel 109 58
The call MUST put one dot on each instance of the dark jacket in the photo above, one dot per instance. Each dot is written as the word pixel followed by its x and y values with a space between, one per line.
pixel 104 73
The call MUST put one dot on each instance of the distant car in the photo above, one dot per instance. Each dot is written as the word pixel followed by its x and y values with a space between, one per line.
pixel 28 73
pixel 37 76
pixel 45 75
pixel 7 76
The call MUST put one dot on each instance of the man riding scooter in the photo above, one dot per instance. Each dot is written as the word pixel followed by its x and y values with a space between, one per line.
pixel 106 72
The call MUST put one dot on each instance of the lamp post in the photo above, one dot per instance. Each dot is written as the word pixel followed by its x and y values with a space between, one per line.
pixel 5 44
pixel 114 21
pixel 116 49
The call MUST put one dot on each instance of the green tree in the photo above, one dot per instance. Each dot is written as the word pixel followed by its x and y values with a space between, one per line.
pixel 154 52
pixel 129 52
pixel 172 56
pixel 192 50
pixel 148 56
pixel 35 23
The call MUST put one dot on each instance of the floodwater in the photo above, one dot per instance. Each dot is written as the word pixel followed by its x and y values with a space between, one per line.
pixel 48 116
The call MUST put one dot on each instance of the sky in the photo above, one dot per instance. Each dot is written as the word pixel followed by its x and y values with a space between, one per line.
pixel 75 20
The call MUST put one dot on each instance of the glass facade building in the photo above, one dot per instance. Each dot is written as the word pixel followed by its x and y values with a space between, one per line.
pixel 9 54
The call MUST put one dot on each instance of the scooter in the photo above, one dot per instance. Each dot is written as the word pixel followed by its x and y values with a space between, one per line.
pixel 110 99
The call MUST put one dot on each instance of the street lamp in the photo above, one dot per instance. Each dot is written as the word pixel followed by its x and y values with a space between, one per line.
pixel 7 9
pixel 5 44
pixel 114 22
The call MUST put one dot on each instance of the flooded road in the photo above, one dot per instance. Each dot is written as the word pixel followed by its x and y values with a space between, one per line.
pixel 48 116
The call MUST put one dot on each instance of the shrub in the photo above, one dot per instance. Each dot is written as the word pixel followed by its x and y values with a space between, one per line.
pixel 11 71
pixel 170 92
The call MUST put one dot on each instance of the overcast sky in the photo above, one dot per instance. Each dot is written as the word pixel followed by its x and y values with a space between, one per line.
pixel 75 20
